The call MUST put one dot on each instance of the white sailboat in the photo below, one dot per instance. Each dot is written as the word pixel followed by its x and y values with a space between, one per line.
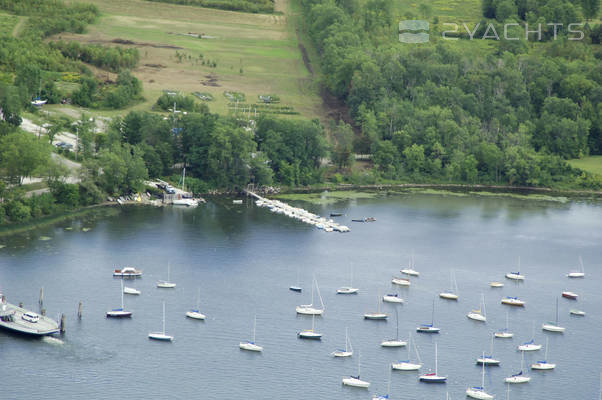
pixel 348 352
pixel 410 269
pixel 195 313
pixel 478 392
pixel 479 315
pixel 131 290
pixel 309 309
pixel 348 289
pixel 530 345
pixel 119 312
pixel 166 284
pixel 161 335
pixel 378 315
pixel 400 281
pixel 519 377
pixel 496 284
pixel 577 274
pixel 184 201
pixel 394 342
pixel 516 276
pixel 577 313
pixel 433 377
pixel 392 298
pixel 429 328
pixel 251 346
pixel 488 360
pixel 504 333
pixel 553 326
pixel 408 365
pixel 310 333
pixel 452 293
pixel 544 364
pixel 513 301
pixel 355 381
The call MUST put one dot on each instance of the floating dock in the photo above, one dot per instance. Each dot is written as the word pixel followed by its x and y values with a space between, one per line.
pixel 278 207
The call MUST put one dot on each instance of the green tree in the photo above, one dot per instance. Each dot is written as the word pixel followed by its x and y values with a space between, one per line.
pixel 22 155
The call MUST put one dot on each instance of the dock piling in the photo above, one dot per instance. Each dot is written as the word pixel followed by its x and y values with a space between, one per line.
pixel 80 308
pixel 41 301
pixel 62 324
pixel 43 312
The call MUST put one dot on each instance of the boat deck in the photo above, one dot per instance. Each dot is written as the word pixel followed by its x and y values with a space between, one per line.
pixel 44 326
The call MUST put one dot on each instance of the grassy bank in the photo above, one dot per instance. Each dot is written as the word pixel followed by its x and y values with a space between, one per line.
pixel 591 164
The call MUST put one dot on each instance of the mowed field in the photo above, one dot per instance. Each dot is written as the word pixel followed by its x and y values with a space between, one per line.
pixel 264 46
pixel 591 164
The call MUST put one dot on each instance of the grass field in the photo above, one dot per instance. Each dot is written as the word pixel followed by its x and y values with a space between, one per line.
pixel 591 164
pixel 264 46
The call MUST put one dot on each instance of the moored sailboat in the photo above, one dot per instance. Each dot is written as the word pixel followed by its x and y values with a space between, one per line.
pixel 433 377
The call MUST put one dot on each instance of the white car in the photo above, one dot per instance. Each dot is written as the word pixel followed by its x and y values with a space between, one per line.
pixel 31 317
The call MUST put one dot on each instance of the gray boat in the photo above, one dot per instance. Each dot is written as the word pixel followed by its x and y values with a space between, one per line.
pixel 23 321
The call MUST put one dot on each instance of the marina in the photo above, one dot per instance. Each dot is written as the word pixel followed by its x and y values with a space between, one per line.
pixel 244 262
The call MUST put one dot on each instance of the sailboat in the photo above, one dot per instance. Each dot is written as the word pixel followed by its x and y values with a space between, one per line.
pixel 384 396
pixel 496 284
pixel 488 360
pixel 429 328
pixel 410 269
pixel 392 298
pixel 348 289
pixel 355 381
pixel 400 281
pixel 513 301
pixel 519 377
pixel 408 365
pixel 394 342
pixel 348 352
pixel 310 333
pixel 578 313
pixel 516 275
pixel 195 313
pixel 38 100
pixel 478 392
pixel 166 284
pixel 161 335
pixel 131 290
pixel 553 326
pixel 452 293
pixel 308 309
pixel 378 315
pixel 530 345
pixel 433 377
pixel 251 346
pixel 479 315
pixel 544 364
pixel 577 274
pixel 119 312
pixel 184 201
pixel 504 333
pixel 296 287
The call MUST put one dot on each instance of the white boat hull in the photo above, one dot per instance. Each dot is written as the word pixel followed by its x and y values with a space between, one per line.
pixel 477 317
pixel 517 379
pixel 516 277
pixel 410 272
pixel 529 347
pixel 393 343
pixel 543 366
pixel 448 296
pixel 347 290
pixel 392 299
pixel 406 366
pixel 195 315
pixel 160 336
pixel 478 394
pixel 575 275
pixel 250 347
pixel 309 335
pixel 376 316
pixel 166 285
pixel 504 335
pixel 553 328
pixel 496 284
pixel 401 281
pixel 306 310
pixel 488 361
pixel 354 382
pixel 342 353
pixel 427 329
pixel 129 290
pixel 119 314
pixel 513 302
pixel 433 379
pixel 578 313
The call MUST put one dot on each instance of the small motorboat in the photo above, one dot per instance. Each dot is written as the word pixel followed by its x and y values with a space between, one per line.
pixel 377 316
pixel 347 290
pixel 513 301
pixel 393 343
pixel 578 313
pixel 496 284
pixel 129 290
pixel 127 272
pixel 295 289
pixel 570 295
pixel 392 298
pixel 336 214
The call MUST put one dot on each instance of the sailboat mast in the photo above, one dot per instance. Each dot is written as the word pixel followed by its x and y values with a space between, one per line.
pixel 346 340
pixel 359 356
pixel 122 293
pixel 164 317
pixel 556 311
pixel 436 373
pixel 433 314
pixel 397 324
pixel 483 373
pixel 254 327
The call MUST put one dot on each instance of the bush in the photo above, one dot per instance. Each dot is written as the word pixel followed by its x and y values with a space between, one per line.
pixel 17 211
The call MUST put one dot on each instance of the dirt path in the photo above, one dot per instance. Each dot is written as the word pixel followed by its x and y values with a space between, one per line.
pixel 19 26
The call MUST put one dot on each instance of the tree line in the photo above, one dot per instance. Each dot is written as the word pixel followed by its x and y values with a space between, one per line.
pixel 113 59
pixel 251 6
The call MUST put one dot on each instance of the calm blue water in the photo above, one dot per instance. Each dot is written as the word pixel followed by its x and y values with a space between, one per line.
pixel 244 258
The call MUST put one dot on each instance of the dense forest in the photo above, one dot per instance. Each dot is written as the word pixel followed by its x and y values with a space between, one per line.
pixel 443 111
pixel 252 6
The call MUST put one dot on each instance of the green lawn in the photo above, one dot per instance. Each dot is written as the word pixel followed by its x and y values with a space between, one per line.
pixel 591 164
pixel 264 46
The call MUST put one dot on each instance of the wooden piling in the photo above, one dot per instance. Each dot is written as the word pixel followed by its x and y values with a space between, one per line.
pixel 20 304
pixel 43 311
pixel 62 324
pixel 80 309
pixel 41 301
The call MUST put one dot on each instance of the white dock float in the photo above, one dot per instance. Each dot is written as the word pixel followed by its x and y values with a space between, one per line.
pixel 278 207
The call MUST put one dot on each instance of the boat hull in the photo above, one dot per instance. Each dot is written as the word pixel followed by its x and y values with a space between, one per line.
pixel 529 347
pixel 515 277
pixel 119 314
pixel 393 343
pixel 308 311
pixel 340 353
pixel 513 302
pixel 354 382
pixel 401 281
pixel 410 272
pixel 478 394
pixel 195 315
pixel 427 329
pixel 128 290
pixel 504 335
pixel 553 328
pixel 392 299
pixel 448 296
pixel 406 366
pixel 248 346
pixel 543 366
pixel 488 361
pixel 517 379
pixel 295 289
pixel 160 336
pixel 477 317
pixel 376 316
pixel 166 285
pixel 496 284
pixel 570 295
pixel 347 290
pixel 309 335
pixel 433 379
pixel 575 275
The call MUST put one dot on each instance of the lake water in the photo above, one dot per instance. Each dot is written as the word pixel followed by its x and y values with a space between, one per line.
pixel 244 258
